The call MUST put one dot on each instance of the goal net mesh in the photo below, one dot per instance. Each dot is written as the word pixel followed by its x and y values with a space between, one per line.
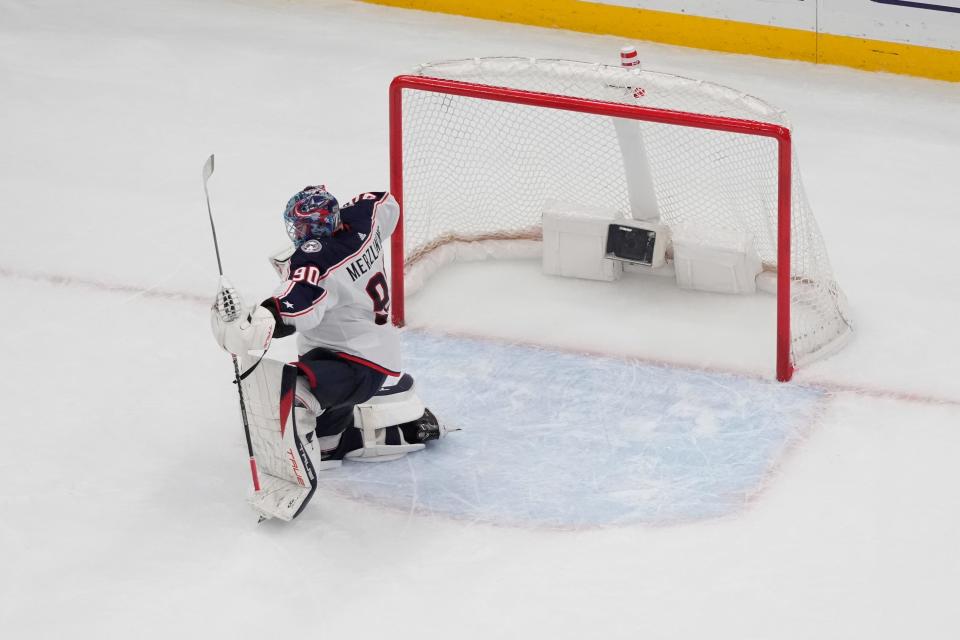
pixel 476 169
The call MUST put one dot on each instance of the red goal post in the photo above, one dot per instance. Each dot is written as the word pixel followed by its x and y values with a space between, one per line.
pixel 779 133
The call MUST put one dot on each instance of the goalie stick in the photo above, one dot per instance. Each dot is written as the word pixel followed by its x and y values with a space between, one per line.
pixel 231 310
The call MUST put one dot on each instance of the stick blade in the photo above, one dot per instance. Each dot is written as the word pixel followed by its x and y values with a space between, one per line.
pixel 208 168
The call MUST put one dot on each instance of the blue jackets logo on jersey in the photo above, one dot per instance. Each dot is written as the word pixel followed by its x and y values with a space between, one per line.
pixel 311 246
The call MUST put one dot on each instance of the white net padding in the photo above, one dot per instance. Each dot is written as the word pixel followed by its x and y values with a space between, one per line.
pixel 476 171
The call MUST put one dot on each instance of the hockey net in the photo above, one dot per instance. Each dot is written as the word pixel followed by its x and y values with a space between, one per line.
pixel 477 150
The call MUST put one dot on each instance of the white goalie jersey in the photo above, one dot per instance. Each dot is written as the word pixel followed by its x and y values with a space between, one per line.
pixel 335 292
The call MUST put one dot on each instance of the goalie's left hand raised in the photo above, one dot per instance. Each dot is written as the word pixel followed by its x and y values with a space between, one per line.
pixel 252 330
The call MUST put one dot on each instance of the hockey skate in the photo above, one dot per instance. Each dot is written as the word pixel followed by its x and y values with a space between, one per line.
pixel 426 428
pixel 393 423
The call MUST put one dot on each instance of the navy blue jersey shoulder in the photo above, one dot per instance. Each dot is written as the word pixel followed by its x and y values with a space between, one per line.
pixel 357 215
pixel 356 219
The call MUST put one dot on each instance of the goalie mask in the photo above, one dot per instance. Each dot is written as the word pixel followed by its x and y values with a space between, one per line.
pixel 311 213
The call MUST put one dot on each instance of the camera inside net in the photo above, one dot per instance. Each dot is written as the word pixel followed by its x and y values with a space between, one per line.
pixel 631 244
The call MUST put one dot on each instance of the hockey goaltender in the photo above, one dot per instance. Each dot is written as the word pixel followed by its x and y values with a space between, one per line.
pixel 335 402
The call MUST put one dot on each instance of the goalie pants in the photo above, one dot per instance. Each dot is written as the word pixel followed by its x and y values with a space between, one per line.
pixel 338 385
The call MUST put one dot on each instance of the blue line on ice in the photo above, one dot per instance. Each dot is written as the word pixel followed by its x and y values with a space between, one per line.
pixel 555 439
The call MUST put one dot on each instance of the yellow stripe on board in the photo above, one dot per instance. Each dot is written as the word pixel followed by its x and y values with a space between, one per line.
pixel 877 55
pixel 705 33
pixel 642 24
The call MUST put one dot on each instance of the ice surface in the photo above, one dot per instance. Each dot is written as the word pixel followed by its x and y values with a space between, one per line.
pixel 122 461
pixel 565 440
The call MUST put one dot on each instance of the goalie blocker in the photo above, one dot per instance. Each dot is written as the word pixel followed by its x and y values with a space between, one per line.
pixel 283 416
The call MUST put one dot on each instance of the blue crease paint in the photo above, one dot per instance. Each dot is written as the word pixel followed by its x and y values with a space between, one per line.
pixel 556 439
